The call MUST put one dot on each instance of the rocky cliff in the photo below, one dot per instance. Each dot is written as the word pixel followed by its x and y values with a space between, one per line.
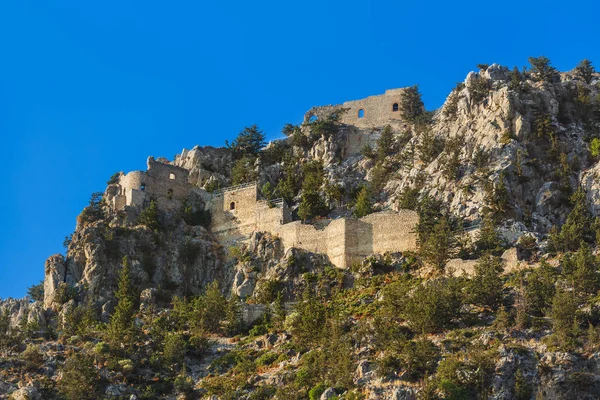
pixel 502 162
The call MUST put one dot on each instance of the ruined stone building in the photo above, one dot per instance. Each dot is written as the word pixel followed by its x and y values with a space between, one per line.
pixel 237 212
pixel 364 117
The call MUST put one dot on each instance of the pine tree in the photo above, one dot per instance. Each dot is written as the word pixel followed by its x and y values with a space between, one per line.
pixel 540 289
pixel 542 67
pixel 487 284
pixel 563 314
pixel 243 171
pixel 577 227
pixel 363 203
pixel 214 308
pixel 249 142
pixel 121 327
pixel 585 70
pixel 279 310
pixel 149 216
pixel 386 144
pixel 233 315
pixel 312 203
pixel 411 104
pixel 440 244
pixel 585 277
pixel 310 324
pixel 488 238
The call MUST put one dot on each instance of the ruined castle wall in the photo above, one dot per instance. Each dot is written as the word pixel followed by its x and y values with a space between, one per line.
pixel 371 112
pixel 233 213
pixel 359 240
pixel 303 236
pixel 336 242
pixel 348 240
pixel 166 184
pixel 269 217
pixel 365 117
pixel 378 110
pixel 165 180
pixel 393 231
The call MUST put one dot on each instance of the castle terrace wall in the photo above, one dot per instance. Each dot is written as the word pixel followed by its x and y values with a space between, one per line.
pixel 303 236
pixel 347 240
pixel 233 223
pixel 337 242
pixel 393 231
pixel 269 215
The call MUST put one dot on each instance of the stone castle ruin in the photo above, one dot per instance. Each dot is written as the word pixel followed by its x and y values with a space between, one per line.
pixel 365 117
pixel 162 182
pixel 237 212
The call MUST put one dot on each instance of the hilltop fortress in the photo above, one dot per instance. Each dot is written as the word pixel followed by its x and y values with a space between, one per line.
pixel 237 212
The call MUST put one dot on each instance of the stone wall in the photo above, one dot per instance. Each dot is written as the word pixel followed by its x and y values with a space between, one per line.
pixel 165 183
pixel 347 240
pixel 371 112
pixel 377 112
pixel 233 213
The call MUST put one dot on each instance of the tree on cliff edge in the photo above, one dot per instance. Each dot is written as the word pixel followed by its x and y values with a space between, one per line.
pixel 249 142
pixel 411 105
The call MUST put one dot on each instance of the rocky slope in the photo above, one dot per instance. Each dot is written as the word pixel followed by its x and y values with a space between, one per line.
pixel 512 144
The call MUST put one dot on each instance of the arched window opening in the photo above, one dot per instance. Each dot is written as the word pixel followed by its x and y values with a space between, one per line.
pixel 232 205
pixel 170 193
pixel 395 107
pixel 313 118
pixel 172 176
pixel 361 113
pixel 143 187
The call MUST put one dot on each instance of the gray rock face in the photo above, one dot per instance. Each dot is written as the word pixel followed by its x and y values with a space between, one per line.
pixel 22 311
pixel 206 164
pixel 55 274
pixel 180 258
pixel 590 181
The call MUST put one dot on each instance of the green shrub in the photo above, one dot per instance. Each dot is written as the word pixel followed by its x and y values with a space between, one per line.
pixel 487 284
pixel 267 359
pixel 102 348
pixel 595 147
pixel 174 349
pixel 114 178
pixel 183 383
pixel 316 392
pixel 33 357
pixel 433 305
pixel 149 216
pixel 79 379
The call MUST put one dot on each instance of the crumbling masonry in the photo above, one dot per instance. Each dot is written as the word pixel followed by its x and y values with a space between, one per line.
pixel 237 212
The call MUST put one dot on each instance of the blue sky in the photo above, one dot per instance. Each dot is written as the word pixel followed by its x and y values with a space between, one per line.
pixel 91 88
